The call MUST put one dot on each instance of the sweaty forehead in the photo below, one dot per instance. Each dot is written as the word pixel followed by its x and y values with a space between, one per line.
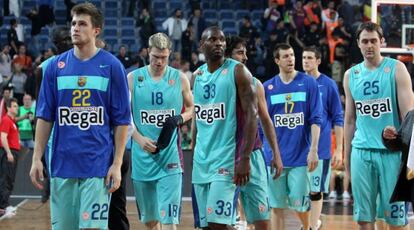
pixel 81 17
pixel 214 33
pixel 368 35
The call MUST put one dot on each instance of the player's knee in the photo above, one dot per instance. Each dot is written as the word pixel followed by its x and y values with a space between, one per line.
pixel 217 226
pixel 151 225
pixel 261 224
pixel 315 196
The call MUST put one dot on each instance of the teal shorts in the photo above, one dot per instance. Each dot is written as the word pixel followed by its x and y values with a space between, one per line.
pixel 374 174
pixel 320 177
pixel 254 195
pixel 79 203
pixel 214 202
pixel 290 190
pixel 159 200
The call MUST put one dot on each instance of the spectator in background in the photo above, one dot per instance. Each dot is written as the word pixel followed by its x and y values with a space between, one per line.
pixel 281 31
pixel 5 61
pixel 10 146
pixel 26 115
pixel 247 30
pixel 185 68
pixel 175 26
pixel 293 40
pixel 199 24
pixel 187 42
pixel 15 7
pixel 12 38
pixel 271 68
pixel 146 23
pixel 312 12
pixel 312 36
pixel 23 59
pixel 18 79
pixel 271 17
pixel 176 60
pixel 297 18
pixel 341 30
pixel 195 61
pixel 69 5
pixel 123 57
pixel 346 11
pixel 142 57
pixel 7 91
pixel 46 14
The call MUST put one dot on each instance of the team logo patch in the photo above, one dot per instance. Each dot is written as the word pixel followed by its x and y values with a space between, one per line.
pixel 288 97
pixel 297 203
pixel 171 82
pixel 224 71
pixel 262 208
pixel 198 72
pixel 140 78
pixel 387 69
pixel 85 216
pixel 270 87
pixel 209 210
pixel 223 171
pixel 172 166
pixel 61 65
pixel 356 71
pixel 81 81
pixel 162 213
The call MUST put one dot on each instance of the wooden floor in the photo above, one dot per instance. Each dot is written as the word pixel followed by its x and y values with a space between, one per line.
pixel 33 215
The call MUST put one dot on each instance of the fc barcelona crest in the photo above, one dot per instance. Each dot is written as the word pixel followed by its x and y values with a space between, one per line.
pixel 81 81
pixel 288 97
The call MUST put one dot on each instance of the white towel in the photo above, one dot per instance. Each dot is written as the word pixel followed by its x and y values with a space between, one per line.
pixel 410 161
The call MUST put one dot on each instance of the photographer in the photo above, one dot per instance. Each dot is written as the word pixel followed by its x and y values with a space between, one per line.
pixel 26 121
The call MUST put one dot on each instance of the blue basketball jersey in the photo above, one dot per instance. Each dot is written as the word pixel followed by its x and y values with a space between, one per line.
pixel 375 96
pixel 84 99
pixel 293 107
pixel 152 103
pixel 332 114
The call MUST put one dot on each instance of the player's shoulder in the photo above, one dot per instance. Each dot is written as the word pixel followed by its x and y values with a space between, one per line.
pixel 108 58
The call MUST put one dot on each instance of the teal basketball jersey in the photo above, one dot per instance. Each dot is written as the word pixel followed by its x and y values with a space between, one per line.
pixel 215 97
pixel 375 97
pixel 152 103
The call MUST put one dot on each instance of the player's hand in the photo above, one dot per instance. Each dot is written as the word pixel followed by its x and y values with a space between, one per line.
pixel 113 178
pixel 10 157
pixel 277 165
pixel 336 158
pixel 390 133
pixel 242 174
pixel 312 159
pixel 147 144
pixel 36 173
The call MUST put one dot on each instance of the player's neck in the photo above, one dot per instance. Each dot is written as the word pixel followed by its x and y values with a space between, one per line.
pixel 213 65
pixel 288 77
pixel 156 75
pixel 314 73
pixel 86 51
pixel 10 114
pixel 373 63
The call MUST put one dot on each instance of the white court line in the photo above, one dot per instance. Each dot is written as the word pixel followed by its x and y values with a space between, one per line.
pixel 17 206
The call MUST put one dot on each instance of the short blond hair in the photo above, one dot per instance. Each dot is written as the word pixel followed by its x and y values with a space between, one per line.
pixel 160 41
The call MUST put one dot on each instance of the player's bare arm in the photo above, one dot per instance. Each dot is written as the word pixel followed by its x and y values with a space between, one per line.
pixel 337 156
pixel 313 150
pixel 349 123
pixel 43 129
pixel 404 91
pixel 248 100
pixel 187 98
pixel 268 130
pixel 114 172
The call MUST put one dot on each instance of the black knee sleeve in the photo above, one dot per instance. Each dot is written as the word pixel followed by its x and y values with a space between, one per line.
pixel 315 197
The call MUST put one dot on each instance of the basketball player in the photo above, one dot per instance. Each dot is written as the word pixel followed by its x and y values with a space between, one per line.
pixel 159 93
pixel 378 94
pixel 332 115
pixel 254 195
pixel 84 95
pixel 224 131
pixel 294 103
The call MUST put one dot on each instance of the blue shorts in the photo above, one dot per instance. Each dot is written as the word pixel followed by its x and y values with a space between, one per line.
pixel 290 190
pixel 254 195
pixel 214 202
pixel 374 174
pixel 159 200
pixel 79 203
pixel 320 177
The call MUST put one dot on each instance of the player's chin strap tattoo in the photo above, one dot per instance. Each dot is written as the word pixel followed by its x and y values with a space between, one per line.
pixel 168 129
